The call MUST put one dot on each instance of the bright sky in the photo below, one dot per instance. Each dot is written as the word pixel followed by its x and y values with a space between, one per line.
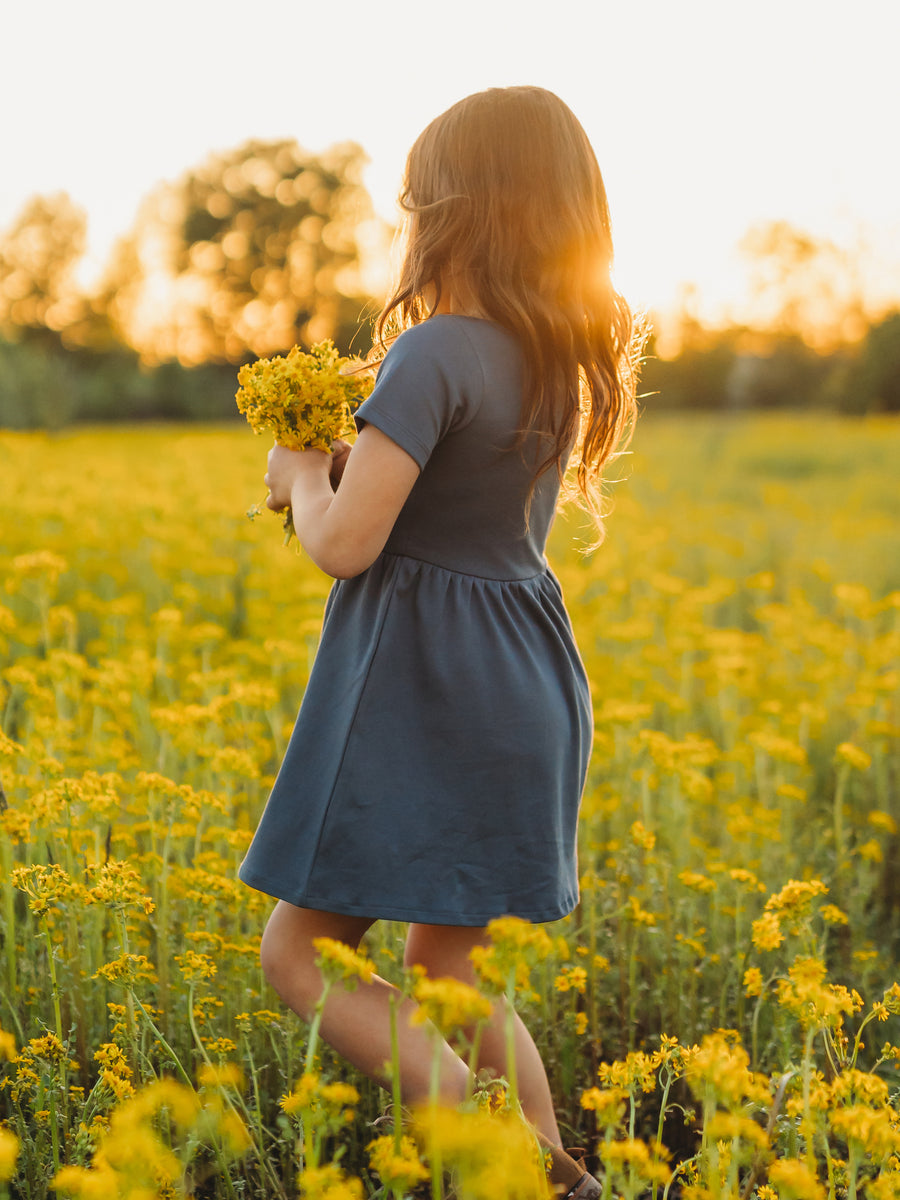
pixel 707 115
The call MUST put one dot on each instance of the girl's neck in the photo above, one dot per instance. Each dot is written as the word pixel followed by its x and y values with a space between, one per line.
pixel 457 298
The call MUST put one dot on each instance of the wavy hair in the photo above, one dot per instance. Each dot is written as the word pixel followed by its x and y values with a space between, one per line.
pixel 506 210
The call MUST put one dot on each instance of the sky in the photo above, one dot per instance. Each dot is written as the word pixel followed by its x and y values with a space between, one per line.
pixel 708 116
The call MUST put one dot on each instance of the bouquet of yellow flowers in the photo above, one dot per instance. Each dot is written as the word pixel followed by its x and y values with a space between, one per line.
pixel 306 401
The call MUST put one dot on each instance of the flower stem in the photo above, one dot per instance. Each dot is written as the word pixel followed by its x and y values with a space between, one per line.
pixel 510 1024
pixel 316 1024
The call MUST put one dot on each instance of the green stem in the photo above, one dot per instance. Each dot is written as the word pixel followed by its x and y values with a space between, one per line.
pixel 474 1051
pixel 853 1169
pixel 54 1132
pixel 9 919
pixel 434 1091
pixel 662 1115
pixel 510 1029
pixel 632 989
pixel 54 985
pixel 315 1026
pixel 395 1075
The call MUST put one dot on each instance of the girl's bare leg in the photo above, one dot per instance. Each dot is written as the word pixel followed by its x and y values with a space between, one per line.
pixel 444 950
pixel 356 1024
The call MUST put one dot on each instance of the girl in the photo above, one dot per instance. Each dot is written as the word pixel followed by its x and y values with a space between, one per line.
pixel 435 771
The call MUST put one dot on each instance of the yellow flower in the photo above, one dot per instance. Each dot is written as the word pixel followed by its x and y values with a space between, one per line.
pixel 399 1170
pixel 767 933
pixel 853 756
pixel 833 915
pixel 805 993
pixel 515 946
pixel 747 878
pixel 329 1183
pixel 794 1180
pixel 641 836
pixel 118 886
pixel 302 1094
pixel 7 1045
pixel 753 982
pixel 195 967
pixel 571 979
pixel 607 1103
pixel 234 1133
pixel 697 882
pixel 795 898
pixel 100 1182
pixel 303 400
pixel 482 1147
pixel 871 851
pixel 449 1004
pixel 721 1067
pixel 882 820
pixel 9 1150
pixel 127 969
pixel 46 887
pixel 336 960
pixel 636 1156
pixel 227 1075
pixel 637 1070
pixel 729 1127
pixel 323 1103
pixel 38 563
pixel 640 916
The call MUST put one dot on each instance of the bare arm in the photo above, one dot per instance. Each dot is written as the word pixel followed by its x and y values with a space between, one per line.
pixel 343 531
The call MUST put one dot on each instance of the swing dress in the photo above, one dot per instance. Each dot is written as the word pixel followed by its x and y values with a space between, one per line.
pixel 435 770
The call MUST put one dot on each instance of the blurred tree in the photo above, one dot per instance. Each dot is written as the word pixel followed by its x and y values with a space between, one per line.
pixel 803 286
pixel 38 256
pixel 866 378
pixel 255 250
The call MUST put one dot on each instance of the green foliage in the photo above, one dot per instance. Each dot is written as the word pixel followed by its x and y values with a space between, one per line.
pixel 741 369
pixel 43 386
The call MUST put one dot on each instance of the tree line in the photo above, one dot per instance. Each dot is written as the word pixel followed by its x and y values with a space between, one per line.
pixel 264 246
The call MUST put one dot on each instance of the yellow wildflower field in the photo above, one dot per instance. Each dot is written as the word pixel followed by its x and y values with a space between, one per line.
pixel 720 1013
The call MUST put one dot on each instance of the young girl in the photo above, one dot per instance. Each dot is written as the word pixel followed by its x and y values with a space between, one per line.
pixel 435 771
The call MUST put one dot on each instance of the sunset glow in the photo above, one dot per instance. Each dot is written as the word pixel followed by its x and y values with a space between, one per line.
pixel 707 118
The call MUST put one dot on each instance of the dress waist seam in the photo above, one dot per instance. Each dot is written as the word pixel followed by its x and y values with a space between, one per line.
pixel 467 574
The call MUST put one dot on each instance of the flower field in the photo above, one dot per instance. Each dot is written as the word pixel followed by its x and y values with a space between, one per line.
pixel 720 1016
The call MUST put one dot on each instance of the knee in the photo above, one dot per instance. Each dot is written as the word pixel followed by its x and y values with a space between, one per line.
pixel 290 969
pixel 442 950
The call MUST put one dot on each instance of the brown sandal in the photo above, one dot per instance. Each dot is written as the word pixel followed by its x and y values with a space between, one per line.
pixel 567 1175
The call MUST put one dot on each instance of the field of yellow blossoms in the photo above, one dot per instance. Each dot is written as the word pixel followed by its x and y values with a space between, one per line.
pixel 720 1016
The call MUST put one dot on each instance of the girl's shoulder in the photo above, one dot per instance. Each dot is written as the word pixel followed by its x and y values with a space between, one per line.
pixel 449 335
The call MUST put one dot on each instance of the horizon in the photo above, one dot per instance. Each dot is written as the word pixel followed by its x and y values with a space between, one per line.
pixel 707 121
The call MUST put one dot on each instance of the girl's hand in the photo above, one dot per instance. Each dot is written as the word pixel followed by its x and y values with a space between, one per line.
pixel 340 452
pixel 285 467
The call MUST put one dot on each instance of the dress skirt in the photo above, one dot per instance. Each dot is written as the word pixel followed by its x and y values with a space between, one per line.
pixel 435 770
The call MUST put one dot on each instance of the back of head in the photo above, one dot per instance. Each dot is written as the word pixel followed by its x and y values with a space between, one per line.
pixel 505 195
pixel 506 209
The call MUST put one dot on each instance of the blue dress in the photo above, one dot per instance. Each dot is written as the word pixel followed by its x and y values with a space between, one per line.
pixel 436 767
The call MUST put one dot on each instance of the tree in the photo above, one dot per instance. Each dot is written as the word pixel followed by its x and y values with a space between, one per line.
pixel 38 256
pixel 253 251
pixel 866 377
pixel 803 286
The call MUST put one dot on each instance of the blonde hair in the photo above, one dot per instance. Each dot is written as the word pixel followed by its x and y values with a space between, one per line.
pixel 506 206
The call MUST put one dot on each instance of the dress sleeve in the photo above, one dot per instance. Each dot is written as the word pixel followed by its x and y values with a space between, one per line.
pixel 430 384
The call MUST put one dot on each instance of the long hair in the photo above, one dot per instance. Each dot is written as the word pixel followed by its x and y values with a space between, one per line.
pixel 505 207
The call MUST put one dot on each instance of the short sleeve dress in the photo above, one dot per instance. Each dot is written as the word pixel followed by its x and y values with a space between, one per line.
pixel 435 770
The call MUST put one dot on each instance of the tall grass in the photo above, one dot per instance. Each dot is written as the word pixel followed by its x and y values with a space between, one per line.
pixel 738 841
